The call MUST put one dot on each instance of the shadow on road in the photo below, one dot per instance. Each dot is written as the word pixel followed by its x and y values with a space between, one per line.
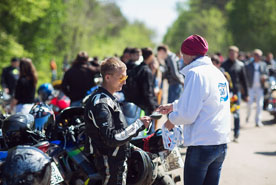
pixel 267 153
pixel 269 122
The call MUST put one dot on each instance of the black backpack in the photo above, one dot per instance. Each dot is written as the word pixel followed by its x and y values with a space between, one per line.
pixel 131 88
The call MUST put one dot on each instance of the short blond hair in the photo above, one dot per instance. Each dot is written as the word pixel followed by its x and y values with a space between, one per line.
pixel 258 52
pixel 111 65
pixel 233 48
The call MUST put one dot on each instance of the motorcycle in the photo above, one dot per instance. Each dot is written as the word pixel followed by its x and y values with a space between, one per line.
pixel 72 160
pixel 20 125
pixel 78 166
pixel 151 141
pixel 5 100
pixel 271 105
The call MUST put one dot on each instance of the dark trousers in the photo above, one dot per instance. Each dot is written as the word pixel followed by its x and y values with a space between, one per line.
pixel 203 164
pixel 236 115
pixel 112 169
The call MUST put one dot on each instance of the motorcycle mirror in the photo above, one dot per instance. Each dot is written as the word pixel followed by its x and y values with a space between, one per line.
pixel 155 115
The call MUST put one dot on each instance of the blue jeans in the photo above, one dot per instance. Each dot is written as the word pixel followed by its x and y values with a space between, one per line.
pixel 203 164
pixel 174 92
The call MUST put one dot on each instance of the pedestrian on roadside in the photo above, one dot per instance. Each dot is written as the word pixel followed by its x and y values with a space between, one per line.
pixel 53 67
pixel 171 73
pixel 236 70
pixel 135 55
pixel 126 55
pixel 25 88
pixel 155 68
pixel 257 74
pixel 79 79
pixel 204 110
pixel 10 76
pixel 144 79
pixel 270 61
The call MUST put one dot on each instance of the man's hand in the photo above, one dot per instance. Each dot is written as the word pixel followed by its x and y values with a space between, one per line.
pixel 169 125
pixel 146 120
pixel 165 109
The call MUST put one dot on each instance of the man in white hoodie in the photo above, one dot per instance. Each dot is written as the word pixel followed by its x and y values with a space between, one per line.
pixel 204 110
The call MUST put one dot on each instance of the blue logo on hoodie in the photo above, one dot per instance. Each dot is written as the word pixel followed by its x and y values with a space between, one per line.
pixel 223 91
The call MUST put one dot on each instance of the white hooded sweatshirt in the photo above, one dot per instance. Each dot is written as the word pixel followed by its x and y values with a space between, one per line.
pixel 203 107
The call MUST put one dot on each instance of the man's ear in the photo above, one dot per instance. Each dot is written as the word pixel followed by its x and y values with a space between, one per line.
pixel 107 77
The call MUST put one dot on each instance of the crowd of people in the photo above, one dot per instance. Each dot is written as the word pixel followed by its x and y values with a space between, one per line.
pixel 199 92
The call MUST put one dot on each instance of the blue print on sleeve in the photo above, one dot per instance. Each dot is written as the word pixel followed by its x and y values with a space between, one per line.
pixel 223 91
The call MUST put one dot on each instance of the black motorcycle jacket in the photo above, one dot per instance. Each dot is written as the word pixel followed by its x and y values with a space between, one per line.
pixel 237 72
pixel 77 81
pixel 9 78
pixel 106 127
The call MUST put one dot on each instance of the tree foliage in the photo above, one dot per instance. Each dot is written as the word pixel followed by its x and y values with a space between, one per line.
pixel 248 24
pixel 209 23
pixel 253 24
pixel 58 29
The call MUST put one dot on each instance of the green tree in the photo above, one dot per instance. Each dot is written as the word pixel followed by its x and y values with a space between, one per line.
pixel 253 24
pixel 58 29
pixel 13 14
pixel 209 23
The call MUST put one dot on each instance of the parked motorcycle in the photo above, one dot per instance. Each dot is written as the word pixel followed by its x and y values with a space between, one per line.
pixel 79 167
pixel 5 100
pixel 271 105
pixel 18 129
pixel 151 141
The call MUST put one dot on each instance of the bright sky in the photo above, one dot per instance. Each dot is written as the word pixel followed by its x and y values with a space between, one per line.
pixel 156 14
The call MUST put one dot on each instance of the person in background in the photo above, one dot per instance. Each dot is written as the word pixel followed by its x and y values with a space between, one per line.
pixel 204 110
pixel 106 127
pixel 79 79
pixel 270 61
pixel 236 70
pixel 216 61
pixel 154 66
pixel 10 76
pixel 25 88
pixel 135 54
pixel 53 66
pixel 257 74
pixel 126 55
pixel 145 84
pixel 175 79
pixel 221 59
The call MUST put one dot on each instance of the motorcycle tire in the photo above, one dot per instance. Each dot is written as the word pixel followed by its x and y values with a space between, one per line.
pixel 163 178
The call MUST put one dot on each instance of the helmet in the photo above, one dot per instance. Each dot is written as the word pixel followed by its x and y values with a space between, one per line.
pixel 141 169
pixel 44 91
pixel 26 165
pixel 44 118
pixel 60 102
pixel 15 129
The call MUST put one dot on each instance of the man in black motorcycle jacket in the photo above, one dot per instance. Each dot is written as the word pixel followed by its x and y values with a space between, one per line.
pixel 106 127
pixel 237 72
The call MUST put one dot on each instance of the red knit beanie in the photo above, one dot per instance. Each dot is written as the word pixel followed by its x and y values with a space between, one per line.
pixel 194 45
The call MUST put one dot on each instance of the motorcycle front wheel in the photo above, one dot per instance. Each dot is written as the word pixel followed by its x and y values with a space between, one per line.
pixel 163 178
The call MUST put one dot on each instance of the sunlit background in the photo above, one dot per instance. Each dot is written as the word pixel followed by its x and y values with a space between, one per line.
pixel 59 29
